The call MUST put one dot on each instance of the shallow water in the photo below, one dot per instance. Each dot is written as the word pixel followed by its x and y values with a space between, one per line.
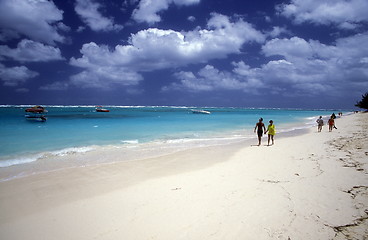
pixel 73 129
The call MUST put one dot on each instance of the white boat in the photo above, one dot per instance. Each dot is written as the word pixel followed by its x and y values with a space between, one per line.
pixel 200 111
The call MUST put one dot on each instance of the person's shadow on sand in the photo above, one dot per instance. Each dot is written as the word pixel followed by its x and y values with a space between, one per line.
pixel 255 145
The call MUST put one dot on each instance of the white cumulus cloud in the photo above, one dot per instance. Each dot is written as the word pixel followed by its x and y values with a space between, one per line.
pixel 346 51
pixel 304 68
pixel 153 48
pixel 148 10
pixel 13 76
pixel 35 19
pixel 55 86
pixel 88 10
pixel 291 48
pixel 345 14
pixel 31 51
pixel 277 31
pixel 191 18
pixel 210 78
pixel 105 78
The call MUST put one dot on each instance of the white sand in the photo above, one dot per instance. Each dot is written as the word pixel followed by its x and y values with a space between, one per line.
pixel 312 186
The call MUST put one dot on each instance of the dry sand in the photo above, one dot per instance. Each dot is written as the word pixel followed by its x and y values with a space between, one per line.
pixel 311 186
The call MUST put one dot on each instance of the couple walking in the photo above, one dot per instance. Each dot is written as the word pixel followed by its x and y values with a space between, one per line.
pixel 270 129
pixel 331 123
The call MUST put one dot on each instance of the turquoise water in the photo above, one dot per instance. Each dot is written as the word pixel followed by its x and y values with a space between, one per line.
pixel 79 127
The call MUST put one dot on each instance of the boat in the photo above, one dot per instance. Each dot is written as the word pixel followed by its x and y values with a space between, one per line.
pixel 37 118
pixel 100 109
pixel 36 109
pixel 200 111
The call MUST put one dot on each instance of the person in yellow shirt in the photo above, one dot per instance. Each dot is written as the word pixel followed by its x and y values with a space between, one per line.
pixel 271 132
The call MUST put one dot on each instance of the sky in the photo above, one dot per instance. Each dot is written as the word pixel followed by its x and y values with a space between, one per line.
pixel 224 53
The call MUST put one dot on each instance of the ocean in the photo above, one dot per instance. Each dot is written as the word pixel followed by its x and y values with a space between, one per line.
pixel 78 129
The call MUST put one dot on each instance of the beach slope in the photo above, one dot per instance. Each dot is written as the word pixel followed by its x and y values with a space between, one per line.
pixel 310 186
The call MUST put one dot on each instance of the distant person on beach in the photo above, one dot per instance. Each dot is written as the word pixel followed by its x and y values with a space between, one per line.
pixel 320 123
pixel 331 124
pixel 271 132
pixel 333 117
pixel 260 127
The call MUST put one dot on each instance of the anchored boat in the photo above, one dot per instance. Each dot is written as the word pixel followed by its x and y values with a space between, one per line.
pixel 37 118
pixel 100 109
pixel 36 109
pixel 200 111
pixel 35 114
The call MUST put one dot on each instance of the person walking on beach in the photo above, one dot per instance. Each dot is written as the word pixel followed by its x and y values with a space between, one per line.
pixel 331 124
pixel 333 117
pixel 320 123
pixel 271 132
pixel 260 127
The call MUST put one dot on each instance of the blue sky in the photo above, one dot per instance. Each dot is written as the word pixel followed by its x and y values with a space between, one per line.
pixel 239 53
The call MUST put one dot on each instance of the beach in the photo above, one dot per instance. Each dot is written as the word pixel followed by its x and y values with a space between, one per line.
pixel 307 186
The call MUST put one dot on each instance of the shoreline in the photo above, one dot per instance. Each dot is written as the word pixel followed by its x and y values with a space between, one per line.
pixel 310 186
pixel 95 155
pixel 28 153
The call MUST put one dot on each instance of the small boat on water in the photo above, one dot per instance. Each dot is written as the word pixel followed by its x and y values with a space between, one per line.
pixel 200 111
pixel 36 114
pixel 36 118
pixel 100 109
pixel 36 109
